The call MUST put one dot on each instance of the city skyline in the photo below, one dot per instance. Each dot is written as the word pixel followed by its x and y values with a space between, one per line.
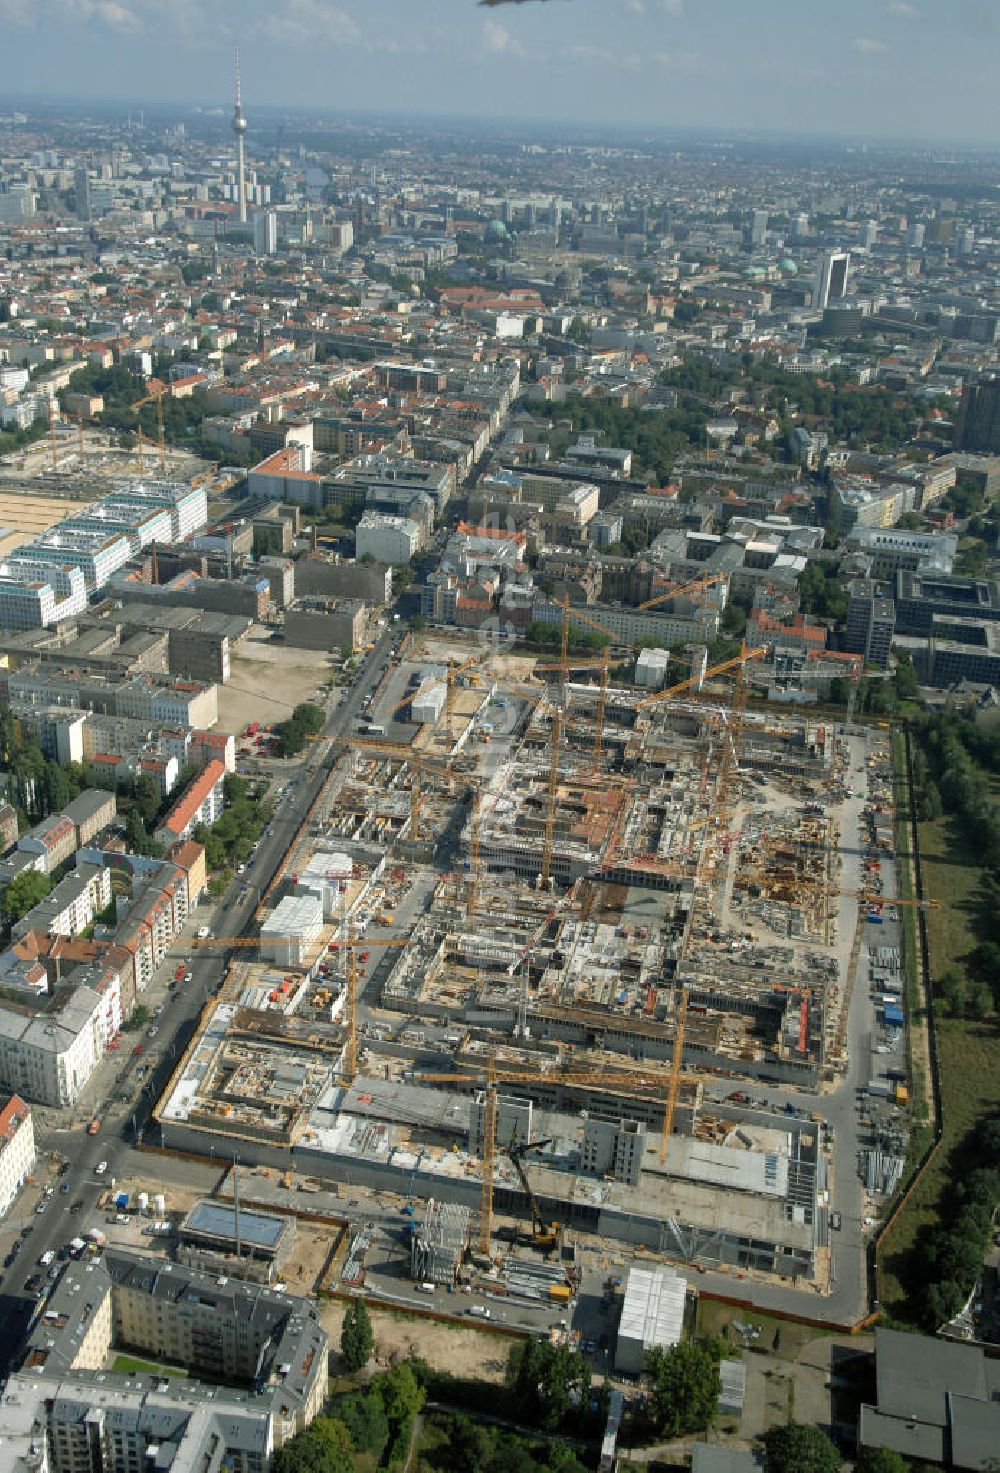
pixel 865 72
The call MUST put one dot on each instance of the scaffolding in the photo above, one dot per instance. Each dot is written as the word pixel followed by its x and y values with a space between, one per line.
pixel 438 1245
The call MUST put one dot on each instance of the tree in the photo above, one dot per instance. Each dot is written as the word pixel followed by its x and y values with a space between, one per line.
pixel 545 1381
pixel 324 1447
pixel 685 1389
pixel 24 892
pixel 366 1422
pixel 147 797
pixel 139 1017
pixel 797 1448
pixel 880 1460
pixel 356 1339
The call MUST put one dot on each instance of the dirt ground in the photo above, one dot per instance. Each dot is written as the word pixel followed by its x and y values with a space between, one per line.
pixel 267 679
pixel 463 1352
pixel 23 517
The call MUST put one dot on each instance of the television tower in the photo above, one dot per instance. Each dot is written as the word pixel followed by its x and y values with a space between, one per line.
pixel 239 129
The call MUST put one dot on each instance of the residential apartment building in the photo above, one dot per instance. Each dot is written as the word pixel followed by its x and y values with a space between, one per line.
pixel 49 1055
pixel 201 802
pixel 72 905
pixel 17 1149
pixel 263 1353
pixel 53 840
pixel 8 827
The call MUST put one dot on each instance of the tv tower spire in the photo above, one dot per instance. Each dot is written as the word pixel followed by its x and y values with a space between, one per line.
pixel 239 129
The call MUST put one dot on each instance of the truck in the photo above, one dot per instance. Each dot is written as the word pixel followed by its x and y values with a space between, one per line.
pixel 480 1311
pixel 426 1288
pixel 94 1126
pixel 560 1293
pixel 880 1089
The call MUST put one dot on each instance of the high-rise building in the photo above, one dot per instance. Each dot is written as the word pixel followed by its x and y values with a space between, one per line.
pixel 915 236
pixel 831 279
pixel 265 232
pixel 871 622
pixel 81 188
pixel 758 227
pixel 869 234
pixel 239 126
pixel 978 423
pixel 800 225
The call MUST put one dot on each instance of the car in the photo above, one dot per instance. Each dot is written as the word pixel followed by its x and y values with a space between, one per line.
pixel 188 976
pixel 153 1031
pixel 64 1187
pixel 8 1261
pixel 100 1168
pixel 41 1207
pixel 836 1221
pixel 179 971
pixel 241 869
pixel 46 1258
pixel 33 1284
pixel 76 1206
pixel 55 1271
pixel 203 932
pixel 137 1050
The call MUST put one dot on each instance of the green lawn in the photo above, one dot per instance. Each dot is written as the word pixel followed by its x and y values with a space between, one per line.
pixel 968 1053
pixel 126 1363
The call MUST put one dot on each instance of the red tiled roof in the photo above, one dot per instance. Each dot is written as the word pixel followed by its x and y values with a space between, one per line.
pixel 188 804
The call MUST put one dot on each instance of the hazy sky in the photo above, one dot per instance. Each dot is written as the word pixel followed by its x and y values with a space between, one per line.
pixel 921 69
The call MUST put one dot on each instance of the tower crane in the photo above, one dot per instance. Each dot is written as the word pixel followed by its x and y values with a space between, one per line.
pixel 623 1080
pixel 685 590
pixel 735 662
pixel 351 945
pixel 155 396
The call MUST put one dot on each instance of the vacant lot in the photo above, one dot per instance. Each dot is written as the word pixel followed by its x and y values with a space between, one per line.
pixel 473 1354
pixel 267 679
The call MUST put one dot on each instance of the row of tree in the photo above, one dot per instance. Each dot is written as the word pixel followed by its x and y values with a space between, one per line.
pixel 949 1255
pixel 953 762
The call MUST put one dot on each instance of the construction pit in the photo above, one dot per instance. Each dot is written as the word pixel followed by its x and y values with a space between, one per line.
pixel 567 937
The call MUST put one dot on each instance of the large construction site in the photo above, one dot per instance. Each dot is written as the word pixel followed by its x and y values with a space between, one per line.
pixel 537 933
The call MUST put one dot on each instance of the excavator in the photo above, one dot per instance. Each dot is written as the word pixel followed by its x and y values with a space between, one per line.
pixel 546 1236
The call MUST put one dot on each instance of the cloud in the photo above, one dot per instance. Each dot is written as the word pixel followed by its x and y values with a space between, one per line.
pixel 587 53
pixel 902 9
pixel 672 7
pixel 498 41
pixel 635 7
pixel 17 12
pixel 867 46
pixel 679 61
pixel 308 23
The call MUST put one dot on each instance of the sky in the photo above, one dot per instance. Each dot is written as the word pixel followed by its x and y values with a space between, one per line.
pixel 919 70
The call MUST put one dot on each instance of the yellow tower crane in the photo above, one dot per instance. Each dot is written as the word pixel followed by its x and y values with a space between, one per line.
pixel 156 397
pixel 623 1080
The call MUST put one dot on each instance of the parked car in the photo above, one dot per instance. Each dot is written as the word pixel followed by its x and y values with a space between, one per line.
pixel 100 1168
